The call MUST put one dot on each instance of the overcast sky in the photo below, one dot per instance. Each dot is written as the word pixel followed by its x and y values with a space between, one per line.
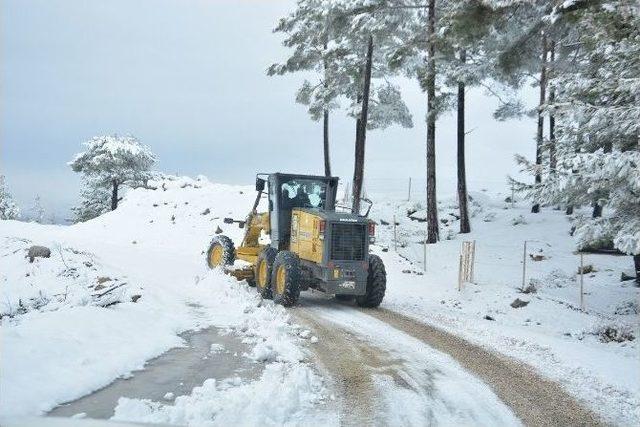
pixel 188 79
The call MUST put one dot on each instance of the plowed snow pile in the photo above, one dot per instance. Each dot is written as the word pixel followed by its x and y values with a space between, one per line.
pixel 61 338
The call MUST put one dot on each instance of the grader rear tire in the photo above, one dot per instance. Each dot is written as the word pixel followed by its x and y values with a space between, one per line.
pixel 262 271
pixel 285 278
pixel 221 252
pixel 376 284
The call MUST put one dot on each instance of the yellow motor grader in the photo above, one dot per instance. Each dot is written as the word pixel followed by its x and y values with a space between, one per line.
pixel 312 245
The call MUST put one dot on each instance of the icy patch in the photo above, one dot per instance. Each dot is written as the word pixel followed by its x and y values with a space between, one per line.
pixel 286 393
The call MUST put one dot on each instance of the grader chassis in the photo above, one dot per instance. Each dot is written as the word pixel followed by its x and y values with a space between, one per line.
pixel 312 245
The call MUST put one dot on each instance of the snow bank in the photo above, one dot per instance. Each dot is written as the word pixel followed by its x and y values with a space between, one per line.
pixel 155 242
pixel 68 277
pixel 284 395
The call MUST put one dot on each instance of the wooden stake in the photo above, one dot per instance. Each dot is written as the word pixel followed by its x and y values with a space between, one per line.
pixel 460 275
pixel 473 261
pixel 409 195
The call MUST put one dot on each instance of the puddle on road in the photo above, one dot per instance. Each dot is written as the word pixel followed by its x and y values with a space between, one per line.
pixel 177 371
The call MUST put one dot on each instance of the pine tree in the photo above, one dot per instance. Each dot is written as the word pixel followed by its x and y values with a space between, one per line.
pixel 469 28
pixel 309 29
pixel 333 39
pixel 113 161
pixel 37 212
pixel 8 208
pixel 95 200
pixel 597 123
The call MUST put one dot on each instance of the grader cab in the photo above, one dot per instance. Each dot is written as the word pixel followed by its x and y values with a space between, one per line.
pixel 312 245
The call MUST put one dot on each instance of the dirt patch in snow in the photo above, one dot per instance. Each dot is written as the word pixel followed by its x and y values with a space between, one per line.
pixel 351 363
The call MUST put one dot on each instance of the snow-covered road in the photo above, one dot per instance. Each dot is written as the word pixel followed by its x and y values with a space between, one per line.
pixel 386 377
pixel 391 369
pixel 322 362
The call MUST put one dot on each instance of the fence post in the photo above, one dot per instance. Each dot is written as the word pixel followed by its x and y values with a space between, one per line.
pixel 524 265
pixel 409 196
pixel 581 281
pixel 460 274
pixel 395 236
pixel 473 261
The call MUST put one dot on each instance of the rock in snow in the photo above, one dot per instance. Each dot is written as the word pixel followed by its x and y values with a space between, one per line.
pixel 518 303
pixel 36 251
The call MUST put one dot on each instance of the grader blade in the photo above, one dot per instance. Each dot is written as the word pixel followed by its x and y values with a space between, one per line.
pixel 241 273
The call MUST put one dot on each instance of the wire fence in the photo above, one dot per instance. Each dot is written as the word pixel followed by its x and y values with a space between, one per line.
pixel 526 265
pixel 414 188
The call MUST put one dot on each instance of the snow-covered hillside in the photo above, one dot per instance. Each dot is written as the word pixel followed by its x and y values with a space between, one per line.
pixel 593 352
pixel 66 339
pixel 59 344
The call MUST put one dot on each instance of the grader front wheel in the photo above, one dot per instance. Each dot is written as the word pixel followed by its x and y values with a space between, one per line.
pixel 221 252
pixel 285 278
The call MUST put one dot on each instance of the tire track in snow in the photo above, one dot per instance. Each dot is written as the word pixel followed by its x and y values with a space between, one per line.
pixel 535 400
pixel 350 363
pixel 386 377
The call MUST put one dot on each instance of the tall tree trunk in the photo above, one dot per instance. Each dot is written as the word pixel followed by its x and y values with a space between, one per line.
pixel 114 195
pixel 325 131
pixel 433 232
pixel 552 119
pixel 569 210
pixel 325 119
pixel 361 131
pixel 465 227
pixel 540 129
pixel 636 265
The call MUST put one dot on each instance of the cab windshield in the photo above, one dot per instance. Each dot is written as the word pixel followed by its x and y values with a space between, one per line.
pixel 303 193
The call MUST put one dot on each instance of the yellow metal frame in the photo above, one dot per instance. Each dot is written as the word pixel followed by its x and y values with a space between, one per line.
pixel 215 256
pixel 281 279
pixel 305 236
pixel 250 247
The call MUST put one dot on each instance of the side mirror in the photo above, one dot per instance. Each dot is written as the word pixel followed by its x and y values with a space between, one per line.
pixel 231 221
pixel 259 184
pixel 369 203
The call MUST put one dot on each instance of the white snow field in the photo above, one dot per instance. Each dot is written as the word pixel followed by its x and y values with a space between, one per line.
pixel 551 333
pixel 60 350
pixel 59 341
